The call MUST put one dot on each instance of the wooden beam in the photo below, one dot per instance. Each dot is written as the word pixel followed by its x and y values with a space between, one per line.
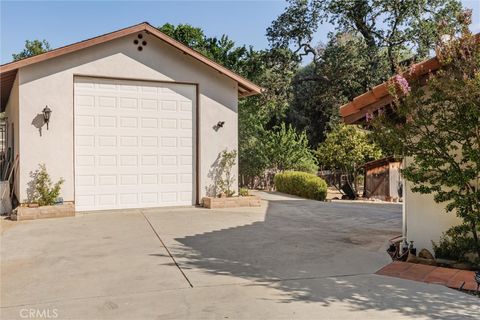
pixel 355 117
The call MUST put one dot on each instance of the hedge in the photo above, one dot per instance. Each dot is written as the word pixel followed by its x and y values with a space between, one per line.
pixel 302 184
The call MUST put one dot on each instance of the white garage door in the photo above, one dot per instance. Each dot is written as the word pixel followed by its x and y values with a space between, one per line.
pixel 134 144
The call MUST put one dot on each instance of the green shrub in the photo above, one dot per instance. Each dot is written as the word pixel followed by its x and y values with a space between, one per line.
pixel 302 184
pixel 45 191
pixel 243 192
pixel 226 178
pixel 458 244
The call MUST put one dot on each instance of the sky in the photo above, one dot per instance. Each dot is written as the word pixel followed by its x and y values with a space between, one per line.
pixel 65 22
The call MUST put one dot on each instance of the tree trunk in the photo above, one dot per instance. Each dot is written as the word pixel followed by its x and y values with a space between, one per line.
pixel 475 237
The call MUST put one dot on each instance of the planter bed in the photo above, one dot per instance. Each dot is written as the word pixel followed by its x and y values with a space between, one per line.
pixel 231 202
pixel 57 211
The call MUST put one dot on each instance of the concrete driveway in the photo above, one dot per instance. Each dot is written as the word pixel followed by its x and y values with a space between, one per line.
pixel 291 258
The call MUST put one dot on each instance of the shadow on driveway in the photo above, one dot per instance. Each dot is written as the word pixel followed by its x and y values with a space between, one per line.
pixel 322 252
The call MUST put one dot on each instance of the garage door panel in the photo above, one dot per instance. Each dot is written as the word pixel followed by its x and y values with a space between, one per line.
pixel 134 144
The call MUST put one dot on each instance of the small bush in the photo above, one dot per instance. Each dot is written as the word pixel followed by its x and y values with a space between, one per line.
pixel 226 178
pixel 46 192
pixel 457 243
pixel 243 192
pixel 302 184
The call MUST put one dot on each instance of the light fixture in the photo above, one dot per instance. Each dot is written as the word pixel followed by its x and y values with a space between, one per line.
pixel 46 115
pixel 219 125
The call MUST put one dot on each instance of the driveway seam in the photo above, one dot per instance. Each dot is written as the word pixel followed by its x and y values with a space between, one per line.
pixel 168 251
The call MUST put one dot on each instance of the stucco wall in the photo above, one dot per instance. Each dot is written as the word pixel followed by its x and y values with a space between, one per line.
pixel 51 83
pixel 11 112
pixel 424 219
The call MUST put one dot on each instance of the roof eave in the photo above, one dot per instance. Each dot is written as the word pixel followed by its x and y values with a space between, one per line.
pixel 379 96
pixel 250 87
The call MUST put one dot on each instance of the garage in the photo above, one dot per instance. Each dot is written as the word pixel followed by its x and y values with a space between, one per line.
pixel 134 144
pixel 135 119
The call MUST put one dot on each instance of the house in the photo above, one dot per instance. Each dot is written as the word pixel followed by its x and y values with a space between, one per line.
pixel 424 220
pixel 383 179
pixel 134 119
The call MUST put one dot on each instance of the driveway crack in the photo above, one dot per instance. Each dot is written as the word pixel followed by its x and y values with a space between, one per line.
pixel 168 251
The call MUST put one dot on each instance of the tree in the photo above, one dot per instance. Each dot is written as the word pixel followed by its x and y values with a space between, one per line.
pixel 347 148
pixel 393 25
pixel 190 36
pixel 221 50
pixel 371 39
pixel 315 103
pixel 287 149
pixel 435 122
pixel 276 150
pixel 32 48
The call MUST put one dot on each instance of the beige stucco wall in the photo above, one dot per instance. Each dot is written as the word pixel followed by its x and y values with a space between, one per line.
pixel 424 219
pixel 11 112
pixel 51 83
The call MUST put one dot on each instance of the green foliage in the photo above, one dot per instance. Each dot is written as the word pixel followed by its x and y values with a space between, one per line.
pixel 225 176
pixel 222 50
pixel 385 25
pixel 259 115
pixel 437 127
pixel 318 89
pixel 301 184
pixel 347 148
pixel 287 149
pixel 32 48
pixel 279 149
pixel 188 35
pixel 457 244
pixel 45 191
pixel 243 192
pixel 371 39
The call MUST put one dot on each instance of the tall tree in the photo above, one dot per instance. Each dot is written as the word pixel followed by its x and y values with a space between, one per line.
pixel 393 25
pixel 32 48
pixel 372 39
pixel 315 103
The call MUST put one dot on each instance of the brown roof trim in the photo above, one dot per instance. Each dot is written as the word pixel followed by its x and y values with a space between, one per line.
pixel 379 96
pixel 246 87
pixel 381 162
pixel 71 48
pixel 249 87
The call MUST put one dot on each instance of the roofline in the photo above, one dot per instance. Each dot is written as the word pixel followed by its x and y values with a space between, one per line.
pixel 379 96
pixel 249 88
pixel 382 161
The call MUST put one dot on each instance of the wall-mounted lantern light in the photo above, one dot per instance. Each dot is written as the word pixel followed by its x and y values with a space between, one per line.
pixel 46 115
pixel 219 125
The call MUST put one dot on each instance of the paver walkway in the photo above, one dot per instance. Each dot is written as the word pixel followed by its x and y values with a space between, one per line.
pixel 452 278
